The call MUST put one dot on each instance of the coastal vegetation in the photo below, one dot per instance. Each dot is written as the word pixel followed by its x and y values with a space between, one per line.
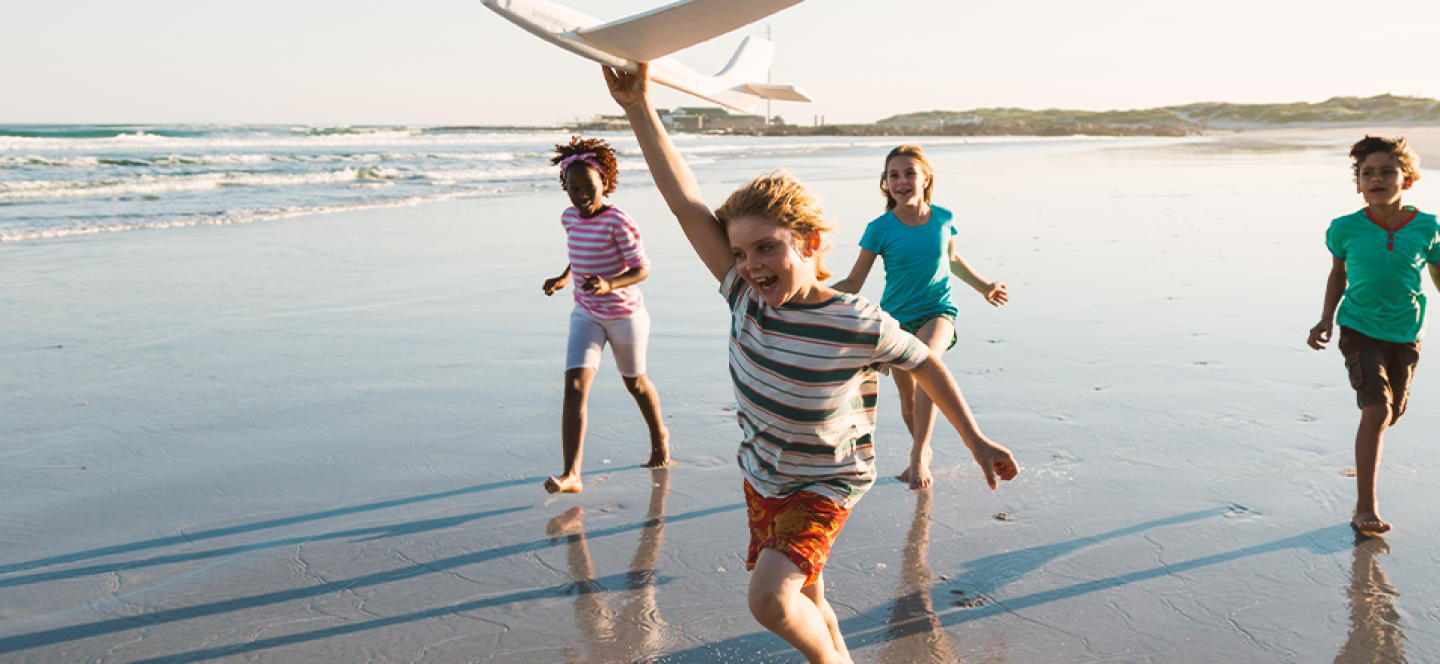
pixel 1164 121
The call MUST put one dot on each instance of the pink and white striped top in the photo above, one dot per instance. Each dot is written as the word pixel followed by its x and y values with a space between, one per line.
pixel 605 245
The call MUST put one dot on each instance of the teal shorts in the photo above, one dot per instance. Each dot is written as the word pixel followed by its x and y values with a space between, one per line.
pixel 913 327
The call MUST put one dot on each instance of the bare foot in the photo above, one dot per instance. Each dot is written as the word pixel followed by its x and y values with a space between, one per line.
pixel 568 523
pixel 922 476
pixel 1369 524
pixel 659 454
pixel 564 484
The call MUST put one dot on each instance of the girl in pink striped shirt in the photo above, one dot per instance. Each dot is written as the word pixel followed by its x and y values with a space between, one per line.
pixel 607 258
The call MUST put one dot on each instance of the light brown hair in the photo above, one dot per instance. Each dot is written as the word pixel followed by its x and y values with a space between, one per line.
pixel 780 199
pixel 914 152
pixel 1398 146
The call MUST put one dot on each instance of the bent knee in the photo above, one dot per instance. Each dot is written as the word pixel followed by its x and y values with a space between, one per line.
pixel 1376 415
pixel 766 607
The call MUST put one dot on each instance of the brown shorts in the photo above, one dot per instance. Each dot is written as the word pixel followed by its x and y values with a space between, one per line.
pixel 1380 371
pixel 802 525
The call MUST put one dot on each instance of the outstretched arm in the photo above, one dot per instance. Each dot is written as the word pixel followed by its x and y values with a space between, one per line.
pixel 993 458
pixel 1435 275
pixel 672 175
pixel 993 291
pixel 1334 289
pixel 852 283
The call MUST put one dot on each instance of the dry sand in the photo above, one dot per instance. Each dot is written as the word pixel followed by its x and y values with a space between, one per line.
pixel 1425 140
pixel 322 439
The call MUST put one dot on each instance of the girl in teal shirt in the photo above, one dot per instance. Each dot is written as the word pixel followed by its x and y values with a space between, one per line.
pixel 917 240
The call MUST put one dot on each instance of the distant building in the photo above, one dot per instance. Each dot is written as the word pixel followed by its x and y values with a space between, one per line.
pixel 701 118
pixel 604 123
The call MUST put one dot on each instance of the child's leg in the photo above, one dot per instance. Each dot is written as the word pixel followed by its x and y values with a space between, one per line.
pixel 816 593
pixel 582 358
pixel 780 605
pixel 648 399
pixel 905 386
pixel 1369 444
pixel 1380 372
pixel 572 431
pixel 629 337
pixel 937 335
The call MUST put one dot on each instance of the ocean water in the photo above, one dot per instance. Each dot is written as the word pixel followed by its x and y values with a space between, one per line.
pixel 60 180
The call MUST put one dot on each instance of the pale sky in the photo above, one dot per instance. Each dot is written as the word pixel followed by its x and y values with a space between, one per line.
pixel 428 62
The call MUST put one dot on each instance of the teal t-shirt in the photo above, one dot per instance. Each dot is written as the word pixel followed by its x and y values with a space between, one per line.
pixel 1385 268
pixel 917 265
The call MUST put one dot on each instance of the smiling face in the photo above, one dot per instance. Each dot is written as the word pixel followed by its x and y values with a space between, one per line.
pixel 586 189
pixel 1381 180
pixel 773 260
pixel 906 179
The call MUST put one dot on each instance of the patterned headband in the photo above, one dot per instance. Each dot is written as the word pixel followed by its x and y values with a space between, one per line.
pixel 584 157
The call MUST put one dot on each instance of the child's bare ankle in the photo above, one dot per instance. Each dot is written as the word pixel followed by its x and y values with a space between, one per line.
pixel 564 484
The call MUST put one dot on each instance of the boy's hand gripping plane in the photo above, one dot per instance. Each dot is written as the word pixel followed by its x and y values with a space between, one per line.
pixel 650 36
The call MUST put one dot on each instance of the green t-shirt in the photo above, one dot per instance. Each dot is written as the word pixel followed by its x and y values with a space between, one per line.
pixel 1384 299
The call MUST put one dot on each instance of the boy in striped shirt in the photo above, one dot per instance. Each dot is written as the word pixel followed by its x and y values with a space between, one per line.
pixel 802 359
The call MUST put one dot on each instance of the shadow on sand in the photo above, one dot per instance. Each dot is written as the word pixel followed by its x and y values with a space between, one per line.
pixel 911 616
pixel 59 635
pixel 191 538
pixel 634 633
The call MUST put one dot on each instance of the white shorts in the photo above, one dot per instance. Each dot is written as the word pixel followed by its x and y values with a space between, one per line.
pixel 628 337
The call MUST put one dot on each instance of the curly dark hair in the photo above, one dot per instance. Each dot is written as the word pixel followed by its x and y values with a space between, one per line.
pixel 604 154
pixel 1398 146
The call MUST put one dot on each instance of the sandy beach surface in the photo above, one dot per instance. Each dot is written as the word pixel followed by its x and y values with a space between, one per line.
pixel 321 439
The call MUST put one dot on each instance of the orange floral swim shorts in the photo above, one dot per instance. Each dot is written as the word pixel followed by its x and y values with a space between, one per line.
pixel 802 525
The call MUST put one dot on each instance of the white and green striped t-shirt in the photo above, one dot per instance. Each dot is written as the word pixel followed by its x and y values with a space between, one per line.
pixel 805 380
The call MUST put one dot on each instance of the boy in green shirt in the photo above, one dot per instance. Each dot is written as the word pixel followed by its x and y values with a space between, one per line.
pixel 1379 254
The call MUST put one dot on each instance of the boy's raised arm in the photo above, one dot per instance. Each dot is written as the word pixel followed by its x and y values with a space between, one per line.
pixel 672 175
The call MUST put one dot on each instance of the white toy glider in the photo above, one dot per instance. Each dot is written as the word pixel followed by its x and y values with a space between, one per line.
pixel 651 36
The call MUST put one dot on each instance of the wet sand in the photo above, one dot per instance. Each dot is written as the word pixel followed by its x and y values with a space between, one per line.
pixel 322 439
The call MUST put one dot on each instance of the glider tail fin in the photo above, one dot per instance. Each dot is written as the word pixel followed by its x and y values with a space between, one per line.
pixel 751 61
pixel 738 84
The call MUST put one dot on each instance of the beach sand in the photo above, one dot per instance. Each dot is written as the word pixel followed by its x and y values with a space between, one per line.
pixel 322 439
pixel 1424 140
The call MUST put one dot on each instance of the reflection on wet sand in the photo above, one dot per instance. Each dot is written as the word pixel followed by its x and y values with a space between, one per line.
pixel 635 632
pixel 913 632
pixel 1375 634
